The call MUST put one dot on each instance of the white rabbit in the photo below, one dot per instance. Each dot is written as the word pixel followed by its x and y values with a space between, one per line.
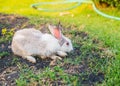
pixel 31 42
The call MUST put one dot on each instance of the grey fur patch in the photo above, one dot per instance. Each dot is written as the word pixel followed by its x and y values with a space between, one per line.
pixel 62 41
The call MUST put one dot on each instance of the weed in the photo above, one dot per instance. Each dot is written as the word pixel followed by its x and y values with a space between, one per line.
pixel 6 35
pixel 15 60
pixel 2 54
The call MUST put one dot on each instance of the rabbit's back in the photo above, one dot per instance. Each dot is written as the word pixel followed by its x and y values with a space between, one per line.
pixel 33 42
pixel 28 33
pixel 26 41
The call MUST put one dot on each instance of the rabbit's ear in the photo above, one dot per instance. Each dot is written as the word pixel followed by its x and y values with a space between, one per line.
pixel 55 31
pixel 60 26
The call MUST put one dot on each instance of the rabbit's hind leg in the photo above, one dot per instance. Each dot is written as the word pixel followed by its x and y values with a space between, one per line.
pixel 30 59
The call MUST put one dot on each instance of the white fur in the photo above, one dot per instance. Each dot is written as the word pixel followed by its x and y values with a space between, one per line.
pixel 19 37
pixel 31 42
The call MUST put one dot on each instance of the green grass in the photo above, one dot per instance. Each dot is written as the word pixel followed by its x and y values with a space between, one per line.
pixel 85 19
pixel 46 77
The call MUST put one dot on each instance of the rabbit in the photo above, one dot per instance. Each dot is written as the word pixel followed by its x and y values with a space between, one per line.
pixel 30 42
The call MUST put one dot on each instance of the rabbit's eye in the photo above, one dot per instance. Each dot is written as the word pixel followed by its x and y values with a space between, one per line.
pixel 67 43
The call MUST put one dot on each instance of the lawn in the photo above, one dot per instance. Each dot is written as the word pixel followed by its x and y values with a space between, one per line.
pixel 96 58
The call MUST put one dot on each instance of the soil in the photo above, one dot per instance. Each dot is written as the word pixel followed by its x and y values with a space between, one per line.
pixel 9 70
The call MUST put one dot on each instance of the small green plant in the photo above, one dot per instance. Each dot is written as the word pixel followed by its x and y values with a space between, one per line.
pixel 4 54
pixel 15 60
pixel 6 35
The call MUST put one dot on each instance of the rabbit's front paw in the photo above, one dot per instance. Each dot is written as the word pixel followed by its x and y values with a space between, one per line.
pixel 56 57
pixel 61 53
pixel 53 62
pixel 43 57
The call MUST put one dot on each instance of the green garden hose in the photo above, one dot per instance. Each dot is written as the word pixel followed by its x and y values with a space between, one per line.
pixel 79 2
